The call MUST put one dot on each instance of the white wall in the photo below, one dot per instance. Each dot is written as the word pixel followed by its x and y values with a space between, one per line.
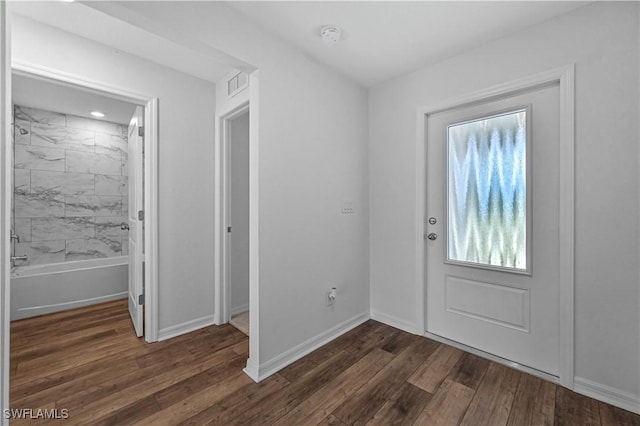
pixel 313 155
pixel 239 216
pixel 186 134
pixel 602 39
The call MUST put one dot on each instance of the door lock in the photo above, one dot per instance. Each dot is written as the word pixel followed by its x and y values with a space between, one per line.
pixel 432 221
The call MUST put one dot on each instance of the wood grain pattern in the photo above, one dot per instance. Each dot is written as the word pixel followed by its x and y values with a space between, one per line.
pixel 89 361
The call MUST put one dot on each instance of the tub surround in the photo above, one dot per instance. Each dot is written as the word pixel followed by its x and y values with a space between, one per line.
pixel 71 193
pixel 43 289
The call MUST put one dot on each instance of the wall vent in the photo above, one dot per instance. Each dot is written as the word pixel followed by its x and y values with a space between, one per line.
pixel 237 83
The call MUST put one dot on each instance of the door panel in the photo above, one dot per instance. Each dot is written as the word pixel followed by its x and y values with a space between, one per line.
pixel 136 258
pixel 492 191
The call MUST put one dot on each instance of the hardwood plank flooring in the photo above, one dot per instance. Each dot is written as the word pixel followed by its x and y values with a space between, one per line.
pixel 89 361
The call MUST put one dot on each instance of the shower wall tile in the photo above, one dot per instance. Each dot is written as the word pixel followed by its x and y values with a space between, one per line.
pixel 37 157
pixel 111 144
pixel 22 132
pixel 111 185
pixel 91 162
pixel 71 195
pixel 110 227
pixel 35 115
pixel 41 252
pixel 62 228
pixel 22 228
pixel 93 205
pixel 21 181
pixel 125 246
pixel 125 206
pixel 39 205
pixel 62 183
pixel 92 248
pixel 124 165
pixel 94 125
pixel 51 136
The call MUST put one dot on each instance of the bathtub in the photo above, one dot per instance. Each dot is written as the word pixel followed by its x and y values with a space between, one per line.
pixel 43 289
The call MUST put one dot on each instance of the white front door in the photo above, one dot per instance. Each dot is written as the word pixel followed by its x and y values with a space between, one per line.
pixel 493 227
pixel 136 257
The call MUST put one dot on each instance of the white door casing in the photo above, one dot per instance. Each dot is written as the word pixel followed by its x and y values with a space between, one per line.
pixel 511 314
pixel 135 239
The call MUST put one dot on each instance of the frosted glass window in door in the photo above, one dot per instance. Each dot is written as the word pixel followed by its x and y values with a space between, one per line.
pixel 487 191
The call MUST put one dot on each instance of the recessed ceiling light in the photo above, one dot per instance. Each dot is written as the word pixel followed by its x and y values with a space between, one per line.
pixel 97 114
pixel 331 33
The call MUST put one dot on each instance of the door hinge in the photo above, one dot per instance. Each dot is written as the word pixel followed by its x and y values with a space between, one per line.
pixel 141 299
pixel 229 229
pixel 140 214
pixel 141 131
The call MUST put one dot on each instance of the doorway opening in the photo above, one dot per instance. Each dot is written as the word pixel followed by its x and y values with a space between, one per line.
pixel 83 210
pixel 235 129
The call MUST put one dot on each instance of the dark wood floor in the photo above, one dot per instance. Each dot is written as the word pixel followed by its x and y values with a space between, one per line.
pixel 89 362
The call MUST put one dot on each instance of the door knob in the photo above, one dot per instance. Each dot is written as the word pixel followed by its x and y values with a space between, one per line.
pixel 432 236
pixel 124 227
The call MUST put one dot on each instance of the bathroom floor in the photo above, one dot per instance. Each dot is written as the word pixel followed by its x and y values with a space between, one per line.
pixel 241 322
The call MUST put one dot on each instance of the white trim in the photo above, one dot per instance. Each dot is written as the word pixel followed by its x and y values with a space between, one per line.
pixel 625 400
pixel 33 311
pixel 5 202
pixel 238 309
pixel 565 77
pixel 541 374
pixel 151 173
pixel 254 222
pixel 396 322
pixel 288 357
pixel 185 327
pixel 251 370
pixel 151 223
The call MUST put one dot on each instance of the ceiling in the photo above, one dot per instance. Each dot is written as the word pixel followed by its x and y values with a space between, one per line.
pixel 381 39
pixel 385 39
pixel 44 94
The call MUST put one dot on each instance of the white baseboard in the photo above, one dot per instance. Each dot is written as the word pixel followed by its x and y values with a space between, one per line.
pixel 613 396
pixel 266 369
pixel 252 370
pixel 401 324
pixel 185 327
pixel 239 309
pixel 33 311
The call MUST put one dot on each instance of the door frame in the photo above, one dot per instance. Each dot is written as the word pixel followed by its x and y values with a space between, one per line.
pixel 150 187
pixel 249 99
pixel 6 162
pixel 565 77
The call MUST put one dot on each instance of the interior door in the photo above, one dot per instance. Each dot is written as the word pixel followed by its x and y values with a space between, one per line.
pixel 136 257
pixel 492 227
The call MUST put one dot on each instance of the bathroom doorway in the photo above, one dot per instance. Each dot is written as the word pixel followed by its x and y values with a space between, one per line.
pixel 80 198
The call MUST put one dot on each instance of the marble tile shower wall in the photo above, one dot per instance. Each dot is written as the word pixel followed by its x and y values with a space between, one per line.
pixel 70 187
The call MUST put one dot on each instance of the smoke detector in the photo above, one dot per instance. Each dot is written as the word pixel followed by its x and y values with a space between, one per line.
pixel 330 33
